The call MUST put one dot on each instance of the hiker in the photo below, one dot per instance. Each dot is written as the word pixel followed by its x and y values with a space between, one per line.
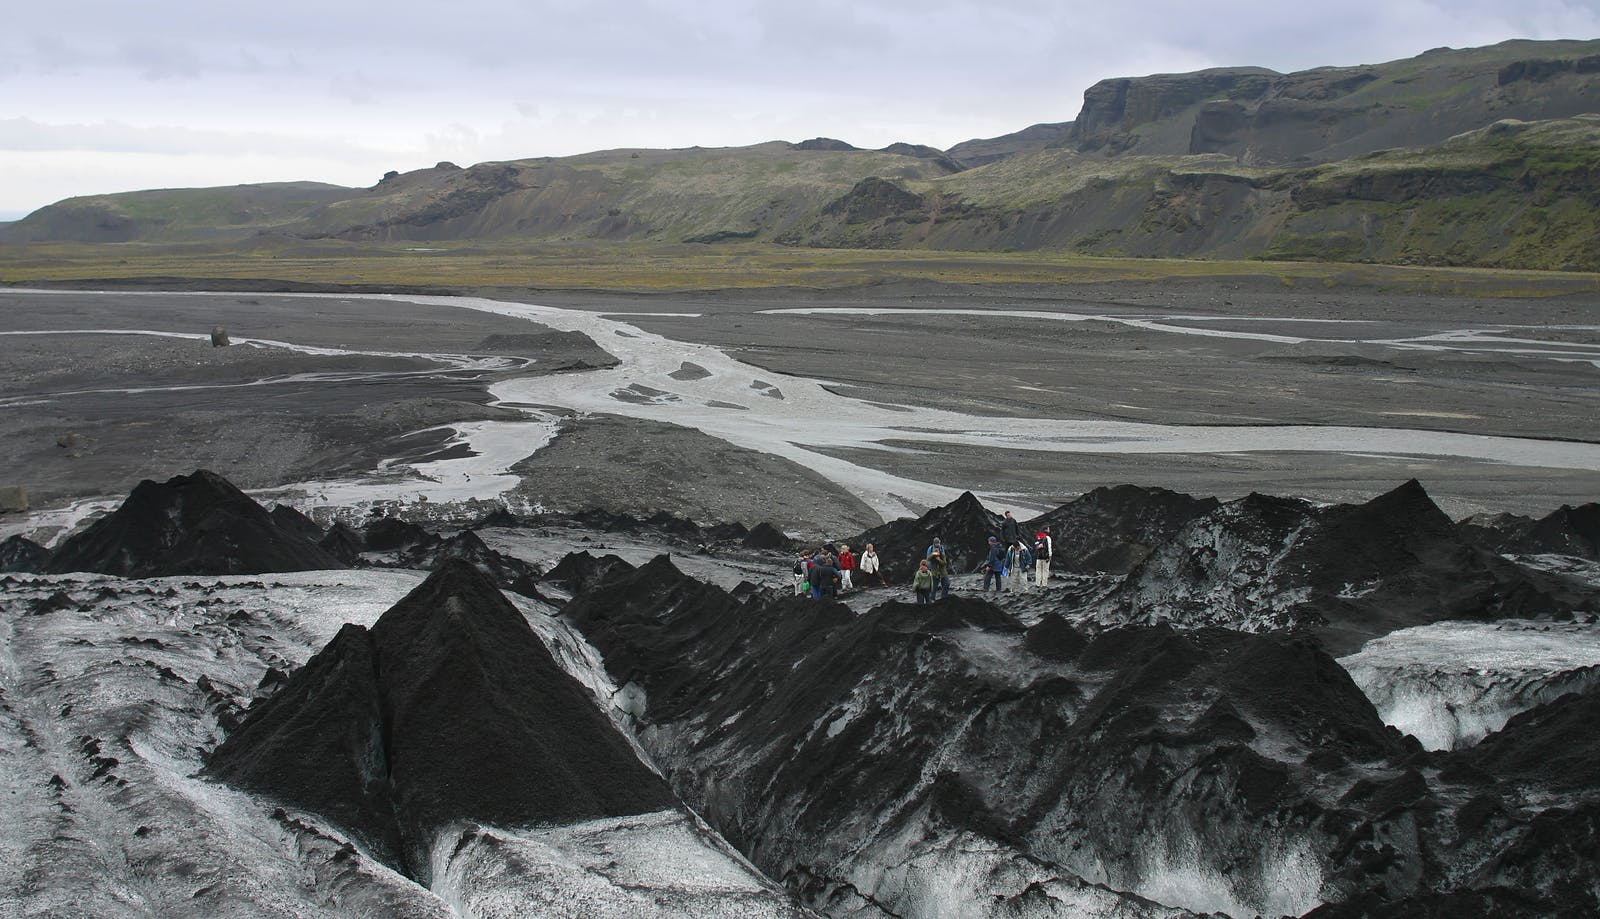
pixel 922 583
pixel 870 566
pixel 847 564
pixel 1010 530
pixel 1018 561
pixel 941 574
pixel 1043 548
pixel 802 568
pixel 936 547
pixel 994 566
pixel 824 578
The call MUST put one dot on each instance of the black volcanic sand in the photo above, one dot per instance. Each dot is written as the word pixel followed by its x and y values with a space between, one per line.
pixel 997 365
pixel 1104 370
pixel 83 443
pixel 1007 366
pixel 630 466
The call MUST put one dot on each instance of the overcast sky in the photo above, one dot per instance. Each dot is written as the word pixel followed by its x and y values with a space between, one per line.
pixel 109 95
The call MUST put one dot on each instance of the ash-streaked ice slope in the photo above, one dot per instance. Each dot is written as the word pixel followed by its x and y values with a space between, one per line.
pixel 114 692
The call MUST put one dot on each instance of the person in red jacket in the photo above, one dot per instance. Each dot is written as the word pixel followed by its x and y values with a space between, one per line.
pixel 847 564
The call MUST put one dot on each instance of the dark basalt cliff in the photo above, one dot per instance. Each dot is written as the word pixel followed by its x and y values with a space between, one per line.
pixel 1331 113
pixel 448 709
pixel 194 524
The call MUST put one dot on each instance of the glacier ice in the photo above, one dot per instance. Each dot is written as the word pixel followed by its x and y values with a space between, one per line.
pixel 1452 683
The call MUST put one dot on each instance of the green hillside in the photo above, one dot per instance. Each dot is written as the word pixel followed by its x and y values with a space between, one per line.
pixel 1482 157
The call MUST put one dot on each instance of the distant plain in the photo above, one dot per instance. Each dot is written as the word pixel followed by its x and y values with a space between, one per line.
pixel 742 302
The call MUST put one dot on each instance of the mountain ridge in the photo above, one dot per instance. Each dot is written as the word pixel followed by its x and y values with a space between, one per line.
pixel 1484 157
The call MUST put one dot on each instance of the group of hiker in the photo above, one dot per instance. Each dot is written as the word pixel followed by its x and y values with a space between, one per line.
pixel 826 572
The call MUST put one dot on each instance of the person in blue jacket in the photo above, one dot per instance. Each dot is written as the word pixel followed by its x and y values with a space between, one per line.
pixel 995 565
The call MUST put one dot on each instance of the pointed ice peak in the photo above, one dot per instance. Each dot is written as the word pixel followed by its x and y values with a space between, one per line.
pixel 1410 504
pixel 448 709
pixel 194 524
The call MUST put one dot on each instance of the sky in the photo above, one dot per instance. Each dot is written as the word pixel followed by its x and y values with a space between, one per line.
pixel 101 96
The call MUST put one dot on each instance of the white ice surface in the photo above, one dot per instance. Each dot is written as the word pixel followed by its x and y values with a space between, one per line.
pixel 661 865
pixel 1451 683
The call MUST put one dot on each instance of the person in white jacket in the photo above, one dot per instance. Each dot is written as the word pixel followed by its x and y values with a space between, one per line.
pixel 870 566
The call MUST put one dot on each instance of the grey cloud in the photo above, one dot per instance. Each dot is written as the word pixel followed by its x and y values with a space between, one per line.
pixel 160 59
pixel 26 134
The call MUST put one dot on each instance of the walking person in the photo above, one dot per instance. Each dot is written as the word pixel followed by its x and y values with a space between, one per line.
pixel 941 574
pixel 870 566
pixel 922 583
pixel 1043 549
pixel 847 565
pixel 994 566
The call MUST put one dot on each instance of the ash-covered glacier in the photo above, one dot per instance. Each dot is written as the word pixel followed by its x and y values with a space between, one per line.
pixel 114 691
pixel 639 735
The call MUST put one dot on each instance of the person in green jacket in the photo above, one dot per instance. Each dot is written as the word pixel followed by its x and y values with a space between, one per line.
pixel 937 564
pixel 922 583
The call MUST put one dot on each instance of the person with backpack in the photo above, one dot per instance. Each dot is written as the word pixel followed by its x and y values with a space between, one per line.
pixel 941 574
pixel 1043 549
pixel 824 578
pixel 994 566
pixel 1018 561
pixel 936 547
pixel 847 564
pixel 802 568
pixel 922 583
pixel 1010 530
pixel 870 565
